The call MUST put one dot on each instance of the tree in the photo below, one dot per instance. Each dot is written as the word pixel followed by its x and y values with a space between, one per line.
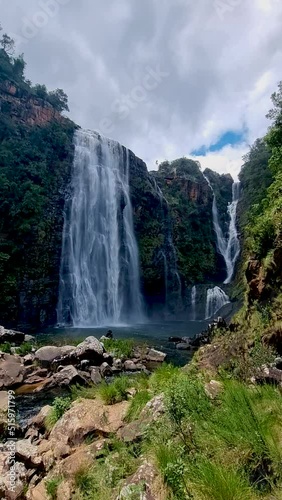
pixel 19 67
pixel 8 44
pixel 59 99
pixel 276 113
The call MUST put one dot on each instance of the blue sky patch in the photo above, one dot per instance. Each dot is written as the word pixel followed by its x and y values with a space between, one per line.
pixel 230 138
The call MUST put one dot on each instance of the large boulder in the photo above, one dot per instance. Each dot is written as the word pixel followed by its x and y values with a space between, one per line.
pixel 12 372
pixel 27 453
pixel 88 417
pixel 90 349
pixel 141 484
pixel 67 376
pixel 155 356
pixel 46 355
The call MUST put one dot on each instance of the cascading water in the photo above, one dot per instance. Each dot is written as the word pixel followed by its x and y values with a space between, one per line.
pixel 229 248
pixel 216 299
pixel 99 281
pixel 193 302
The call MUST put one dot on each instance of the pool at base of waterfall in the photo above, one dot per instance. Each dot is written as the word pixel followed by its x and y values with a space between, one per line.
pixel 153 334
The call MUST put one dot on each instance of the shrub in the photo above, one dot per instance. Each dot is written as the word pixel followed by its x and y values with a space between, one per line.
pixel 59 407
pixel 116 391
pixel 6 347
pixel 119 348
pixel 25 348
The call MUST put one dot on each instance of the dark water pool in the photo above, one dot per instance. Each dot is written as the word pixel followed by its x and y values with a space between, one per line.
pixel 154 334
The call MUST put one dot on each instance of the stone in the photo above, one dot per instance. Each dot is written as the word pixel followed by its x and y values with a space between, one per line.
pixel 28 359
pixel 20 482
pixel 87 417
pixel 27 453
pixel 129 366
pixel 38 492
pixel 141 484
pixel 37 377
pixel 11 372
pixel 213 389
pixel 117 365
pixel 46 355
pixel 155 356
pixel 90 349
pixel 39 420
pixel 154 408
pixel 67 376
pixel 96 375
pixel 64 491
pixel 29 338
pixel 106 370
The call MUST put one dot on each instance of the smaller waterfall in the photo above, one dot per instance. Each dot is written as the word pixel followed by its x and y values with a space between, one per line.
pixel 193 302
pixel 229 248
pixel 216 299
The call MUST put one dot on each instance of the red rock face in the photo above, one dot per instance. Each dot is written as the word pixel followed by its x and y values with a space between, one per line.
pixel 26 108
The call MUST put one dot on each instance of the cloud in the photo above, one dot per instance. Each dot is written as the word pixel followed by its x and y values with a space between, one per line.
pixel 221 69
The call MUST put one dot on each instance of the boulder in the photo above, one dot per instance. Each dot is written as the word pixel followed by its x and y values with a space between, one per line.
pixel 155 356
pixel 96 375
pixel 39 420
pixel 27 453
pixel 38 492
pixel 106 370
pixel 28 359
pixel 117 365
pixel 46 355
pixel 130 366
pixel 87 417
pixel 67 376
pixel 90 349
pixel 141 484
pixel 36 377
pixel 29 338
pixel 12 372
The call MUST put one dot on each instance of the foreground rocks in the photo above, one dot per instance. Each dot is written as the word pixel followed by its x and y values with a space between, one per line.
pixel 52 366
pixel 201 339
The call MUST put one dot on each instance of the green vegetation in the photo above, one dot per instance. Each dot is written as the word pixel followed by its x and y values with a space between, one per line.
pixel 137 404
pixel 115 392
pixel 59 407
pixel 119 348
pixel 26 348
pixel 52 486
pixel 6 347
pixel 35 170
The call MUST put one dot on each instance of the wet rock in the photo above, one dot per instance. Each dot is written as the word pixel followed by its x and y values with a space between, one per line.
pixel 46 355
pixel 96 375
pixel 106 370
pixel 36 377
pixel 155 356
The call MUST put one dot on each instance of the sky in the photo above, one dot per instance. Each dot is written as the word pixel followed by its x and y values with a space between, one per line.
pixel 166 78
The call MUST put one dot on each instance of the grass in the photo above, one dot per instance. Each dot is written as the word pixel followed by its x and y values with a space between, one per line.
pixel 25 348
pixel 161 378
pixel 52 486
pixel 59 407
pixel 6 348
pixel 99 481
pixel 116 391
pixel 119 348
pixel 137 404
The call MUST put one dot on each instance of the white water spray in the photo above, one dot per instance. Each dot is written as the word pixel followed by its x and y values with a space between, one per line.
pixel 229 248
pixel 193 302
pixel 99 281
pixel 216 299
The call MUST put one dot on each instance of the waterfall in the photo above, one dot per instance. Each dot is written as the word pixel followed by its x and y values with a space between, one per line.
pixel 216 299
pixel 99 280
pixel 193 302
pixel 229 248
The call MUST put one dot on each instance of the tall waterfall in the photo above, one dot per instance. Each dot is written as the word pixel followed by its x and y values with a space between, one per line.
pixel 99 281
pixel 193 302
pixel 216 299
pixel 229 247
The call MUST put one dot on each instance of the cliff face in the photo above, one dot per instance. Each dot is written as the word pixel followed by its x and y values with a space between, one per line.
pixel 24 108
pixel 36 160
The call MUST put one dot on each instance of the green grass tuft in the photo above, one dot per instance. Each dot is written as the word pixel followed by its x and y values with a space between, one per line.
pixel 52 486
pixel 137 404
pixel 59 407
